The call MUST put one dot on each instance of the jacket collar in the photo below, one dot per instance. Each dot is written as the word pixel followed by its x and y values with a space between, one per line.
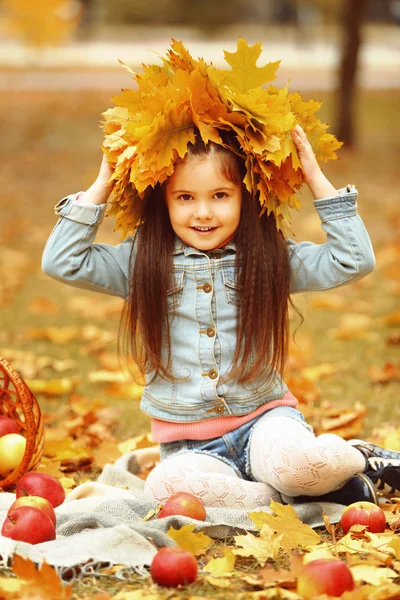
pixel 182 248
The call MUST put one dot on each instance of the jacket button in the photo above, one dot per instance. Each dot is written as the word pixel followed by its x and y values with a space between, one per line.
pixel 213 374
pixel 207 287
pixel 219 409
pixel 210 332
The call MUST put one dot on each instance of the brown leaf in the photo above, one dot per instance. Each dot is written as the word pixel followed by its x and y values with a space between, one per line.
pixel 333 529
pixel 393 338
pixel 347 423
pixel 389 372
pixel 282 577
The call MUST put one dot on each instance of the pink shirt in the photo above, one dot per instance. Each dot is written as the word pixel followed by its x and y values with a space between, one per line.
pixel 166 431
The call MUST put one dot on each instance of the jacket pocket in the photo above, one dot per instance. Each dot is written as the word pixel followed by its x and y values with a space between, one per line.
pixel 175 292
pixel 231 285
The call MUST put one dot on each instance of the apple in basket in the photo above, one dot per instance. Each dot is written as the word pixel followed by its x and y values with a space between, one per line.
pixel 28 524
pixel 37 502
pixel 12 450
pixel 7 425
pixel 329 576
pixel 43 485
pixel 185 504
pixel 172 566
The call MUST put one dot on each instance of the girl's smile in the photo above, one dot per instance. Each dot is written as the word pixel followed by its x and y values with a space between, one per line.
pixel 204 206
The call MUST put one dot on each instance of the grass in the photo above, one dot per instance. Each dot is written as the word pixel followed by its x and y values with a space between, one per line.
pixel 51 147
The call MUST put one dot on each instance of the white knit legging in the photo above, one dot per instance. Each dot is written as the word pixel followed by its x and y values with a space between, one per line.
pixel 286 460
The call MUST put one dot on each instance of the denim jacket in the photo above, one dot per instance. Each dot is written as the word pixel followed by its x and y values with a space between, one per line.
pixel 203 299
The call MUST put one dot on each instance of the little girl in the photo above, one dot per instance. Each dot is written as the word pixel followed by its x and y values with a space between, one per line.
pixel 207 284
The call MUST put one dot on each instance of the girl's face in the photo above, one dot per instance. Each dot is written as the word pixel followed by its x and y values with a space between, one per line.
pixel 204 206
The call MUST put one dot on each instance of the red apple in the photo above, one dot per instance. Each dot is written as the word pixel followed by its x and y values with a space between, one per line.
pixel 172 566
pixel 7 425
pixel 28 524
pixel 41 484
pixel 363 513
pixel 183 503
pixel 329 576
pixel 37 502
pixel 12 450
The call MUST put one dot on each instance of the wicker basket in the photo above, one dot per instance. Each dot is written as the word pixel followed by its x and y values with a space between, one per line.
pixel 20 405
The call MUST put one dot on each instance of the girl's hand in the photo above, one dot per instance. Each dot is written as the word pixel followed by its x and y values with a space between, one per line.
pixel 307 158
pixel 105 173
pixel 313 176
pixel 100 190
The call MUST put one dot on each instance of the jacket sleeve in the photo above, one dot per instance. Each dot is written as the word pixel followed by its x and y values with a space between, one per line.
pixel 347 254
pixel 71 256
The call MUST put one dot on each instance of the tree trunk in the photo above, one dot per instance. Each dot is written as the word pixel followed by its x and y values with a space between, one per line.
pixel 353 13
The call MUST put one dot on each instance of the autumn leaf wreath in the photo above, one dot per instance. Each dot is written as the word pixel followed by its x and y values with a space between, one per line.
pixel 150 128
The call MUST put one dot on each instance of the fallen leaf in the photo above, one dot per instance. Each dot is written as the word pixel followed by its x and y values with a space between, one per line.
pixel 372 575
pixel 317 372
pixel 328 300
pixel 395 544
pixel 221 566
pixel 11 588
pixel 389 372
pixel 196 543
pixel 346 423
pixel 43 581
pixel 53 387
pixel 219 582
pixel 43 306
pixel 261 547
pixel 286 522
pixel 352 326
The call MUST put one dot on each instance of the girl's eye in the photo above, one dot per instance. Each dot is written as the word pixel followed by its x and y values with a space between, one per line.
pixel 185 197
pixel 220 195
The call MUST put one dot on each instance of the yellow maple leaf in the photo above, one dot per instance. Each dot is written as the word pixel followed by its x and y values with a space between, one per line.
pixel 262 547
pixel 219 567
pixel 372 574
pixel 196 543
pixel 172 132
pixel 286 522
pixel 245 75
pixel 395 544
pixel 43 582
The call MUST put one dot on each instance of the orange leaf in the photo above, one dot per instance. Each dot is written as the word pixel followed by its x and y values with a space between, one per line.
pixel 43 582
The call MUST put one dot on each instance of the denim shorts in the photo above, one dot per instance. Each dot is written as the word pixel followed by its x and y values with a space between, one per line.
pixel 233 448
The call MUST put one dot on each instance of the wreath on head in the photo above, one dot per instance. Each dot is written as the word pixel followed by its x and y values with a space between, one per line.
pixel 150 128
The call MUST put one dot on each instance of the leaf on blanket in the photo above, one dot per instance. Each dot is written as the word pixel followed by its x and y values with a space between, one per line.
pixel 196 543
pixel 286 522
pixel 43 582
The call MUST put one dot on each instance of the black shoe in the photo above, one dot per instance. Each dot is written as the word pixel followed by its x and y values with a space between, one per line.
pixel 382 467
pixel 359 488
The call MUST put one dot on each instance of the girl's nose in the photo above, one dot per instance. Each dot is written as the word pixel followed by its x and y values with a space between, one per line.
pixel 202 211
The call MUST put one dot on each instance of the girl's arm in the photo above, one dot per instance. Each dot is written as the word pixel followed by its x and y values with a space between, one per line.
pixel 71 256
pixel 347 254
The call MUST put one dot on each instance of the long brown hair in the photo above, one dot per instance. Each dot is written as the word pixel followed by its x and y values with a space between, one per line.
pixel 262 265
